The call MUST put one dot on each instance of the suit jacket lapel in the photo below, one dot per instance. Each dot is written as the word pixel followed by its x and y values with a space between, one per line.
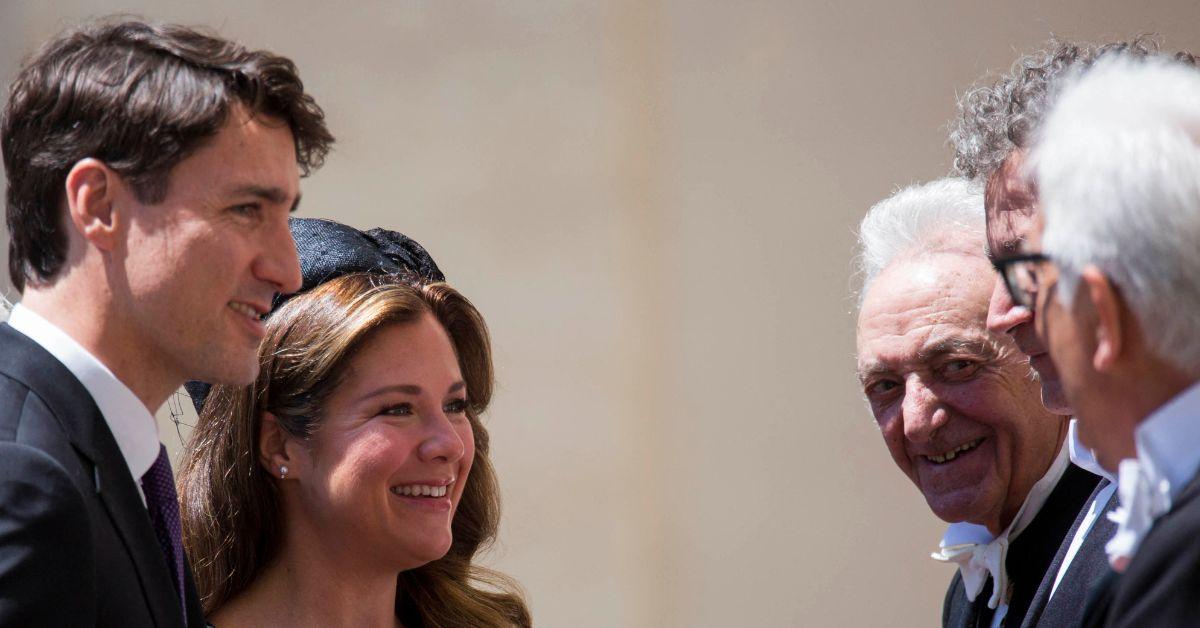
pixel 1042 596
pixel 81 420
pixel 128 513
pixel 1099 600
pixel 1032 554
pixel 1087 567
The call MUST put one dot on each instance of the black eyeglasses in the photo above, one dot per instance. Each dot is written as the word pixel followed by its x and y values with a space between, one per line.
pixel 1021 276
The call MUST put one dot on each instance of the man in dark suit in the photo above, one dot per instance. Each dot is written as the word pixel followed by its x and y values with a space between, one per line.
pixel 1112 280
pixel 151 170
pixel 996 125
pixel 955 404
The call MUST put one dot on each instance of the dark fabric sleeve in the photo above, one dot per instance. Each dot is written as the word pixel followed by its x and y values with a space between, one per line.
pixel 46 570
pixel 1162 585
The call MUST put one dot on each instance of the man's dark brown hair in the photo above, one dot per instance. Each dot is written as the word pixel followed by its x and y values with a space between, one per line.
pixel 141 98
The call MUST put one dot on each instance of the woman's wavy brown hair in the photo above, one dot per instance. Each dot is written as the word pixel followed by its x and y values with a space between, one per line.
pixel 230 504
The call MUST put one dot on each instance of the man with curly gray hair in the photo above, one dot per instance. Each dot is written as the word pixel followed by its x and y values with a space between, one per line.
pixel 996 126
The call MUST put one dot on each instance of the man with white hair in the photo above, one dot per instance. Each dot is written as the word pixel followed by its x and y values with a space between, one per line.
pixel 956 406
pixel 1117 301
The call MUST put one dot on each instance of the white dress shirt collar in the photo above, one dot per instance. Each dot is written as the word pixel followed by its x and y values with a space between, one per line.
pixel 131 423
pixel 1168 441
pixel 1083 457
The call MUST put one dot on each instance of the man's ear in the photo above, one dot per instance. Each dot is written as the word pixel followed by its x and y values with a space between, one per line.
pixel 1110 317
pixel 277 449
pixel 91 188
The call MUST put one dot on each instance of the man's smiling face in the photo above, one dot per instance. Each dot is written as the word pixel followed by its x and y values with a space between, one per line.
pixel 954 401
pixel 201 266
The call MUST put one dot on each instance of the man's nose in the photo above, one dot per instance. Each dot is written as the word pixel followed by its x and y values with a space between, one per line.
pixel 1004 315
pixel 279 264
pixel 924 413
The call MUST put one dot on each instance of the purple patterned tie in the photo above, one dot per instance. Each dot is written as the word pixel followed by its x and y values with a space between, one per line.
pixel 163 504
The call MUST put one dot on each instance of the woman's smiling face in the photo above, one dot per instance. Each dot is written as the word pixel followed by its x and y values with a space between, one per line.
pixel 385 470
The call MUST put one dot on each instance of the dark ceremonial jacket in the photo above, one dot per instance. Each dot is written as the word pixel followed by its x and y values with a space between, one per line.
pixel 1161 586
pixel 1087 568
pixel 1029 559
pixel 77 547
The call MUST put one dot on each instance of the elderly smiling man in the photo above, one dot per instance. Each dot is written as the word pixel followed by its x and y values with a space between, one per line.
pixel 956 405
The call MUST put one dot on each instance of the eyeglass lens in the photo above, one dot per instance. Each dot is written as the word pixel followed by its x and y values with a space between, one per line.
pixel 1023 279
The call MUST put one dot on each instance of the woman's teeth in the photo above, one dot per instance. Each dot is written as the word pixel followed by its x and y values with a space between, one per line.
pixel 420 490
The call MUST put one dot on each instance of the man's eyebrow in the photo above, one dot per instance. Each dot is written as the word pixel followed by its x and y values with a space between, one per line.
pixel 978 347
pixel 1013 245
pixel 1009 246
pixel 267 193
pixel 871 369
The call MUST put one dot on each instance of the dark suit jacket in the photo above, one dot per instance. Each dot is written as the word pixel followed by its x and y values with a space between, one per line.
pixel 1161 586
pixel 1029 559
pixel 1088 567
pixel 77 547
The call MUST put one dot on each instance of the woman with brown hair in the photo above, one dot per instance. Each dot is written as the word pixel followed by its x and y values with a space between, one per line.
pixel 350 484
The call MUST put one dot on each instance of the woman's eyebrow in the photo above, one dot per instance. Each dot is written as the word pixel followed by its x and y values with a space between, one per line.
pixel 408 389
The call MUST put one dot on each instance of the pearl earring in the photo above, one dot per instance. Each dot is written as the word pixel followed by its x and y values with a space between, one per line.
pixel 283 472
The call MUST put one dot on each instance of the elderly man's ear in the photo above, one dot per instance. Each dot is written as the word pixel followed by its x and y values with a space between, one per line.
pixel 1113 320
pixel 91 191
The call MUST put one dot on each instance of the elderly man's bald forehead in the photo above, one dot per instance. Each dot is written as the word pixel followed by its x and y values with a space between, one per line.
pixel 930 287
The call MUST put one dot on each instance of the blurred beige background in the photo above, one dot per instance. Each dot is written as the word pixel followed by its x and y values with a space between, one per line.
pixel 653 203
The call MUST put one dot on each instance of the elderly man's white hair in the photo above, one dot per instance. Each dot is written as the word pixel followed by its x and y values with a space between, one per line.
pixel 1118 172
pixel 945 215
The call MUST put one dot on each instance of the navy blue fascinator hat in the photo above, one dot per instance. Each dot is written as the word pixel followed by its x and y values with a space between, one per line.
pixel 330 249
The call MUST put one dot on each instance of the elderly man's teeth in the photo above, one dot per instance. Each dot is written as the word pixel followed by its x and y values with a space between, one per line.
pixel 420 490
pixel 953 453
pixel 242 308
